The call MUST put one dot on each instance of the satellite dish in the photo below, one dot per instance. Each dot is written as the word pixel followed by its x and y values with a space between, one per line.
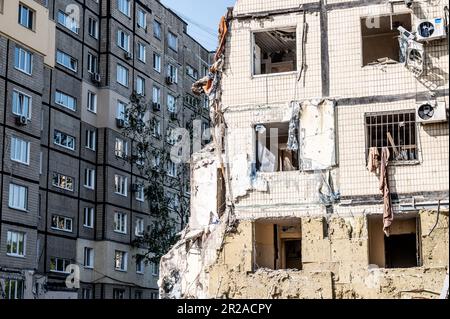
pixel 425 111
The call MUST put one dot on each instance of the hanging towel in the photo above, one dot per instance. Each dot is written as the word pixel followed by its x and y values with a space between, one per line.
pixel 373 161
pixel 388 214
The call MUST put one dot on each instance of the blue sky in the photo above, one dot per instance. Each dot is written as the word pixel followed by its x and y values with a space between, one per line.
pixel 202 16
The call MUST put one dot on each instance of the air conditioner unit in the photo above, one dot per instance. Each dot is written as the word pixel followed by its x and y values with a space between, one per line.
pixel 120 123
pixel 432 29
pixel 21 120
pixel 431 112
pixel 156 106
pixel 173 116
pixel 95 77
pixel 169 80
pixel 128 55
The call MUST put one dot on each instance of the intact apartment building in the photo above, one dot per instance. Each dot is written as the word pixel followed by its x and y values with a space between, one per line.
pixel 313 94
pixel 71 204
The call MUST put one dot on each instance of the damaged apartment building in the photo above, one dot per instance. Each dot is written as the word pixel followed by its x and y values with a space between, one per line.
pixel 329 160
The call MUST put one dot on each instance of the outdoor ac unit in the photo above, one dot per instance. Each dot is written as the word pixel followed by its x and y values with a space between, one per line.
pixel 156 106
pixel 431 112
pixel 21 120
pixel 95 77
pixel 173 116
pixel 120 123
pixel 169 80
pixel 432 29
pixel 128 55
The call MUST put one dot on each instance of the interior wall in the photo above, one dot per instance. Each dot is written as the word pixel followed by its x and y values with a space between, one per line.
pixel 264 243
pixel 376 236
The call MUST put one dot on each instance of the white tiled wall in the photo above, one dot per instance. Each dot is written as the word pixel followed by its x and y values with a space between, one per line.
pixel 250 100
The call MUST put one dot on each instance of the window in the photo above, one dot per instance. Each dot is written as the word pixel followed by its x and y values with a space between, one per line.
pixel 154 295
pixel 89 178
pixel 273 154
pixel 141 52
pixel 157 62
pixel 59 264
pixel 121 260
pixel 86 293
pixel 62 181
pixel 64 140
pixel 92 102
pixel 140 85
pixel 171 169
pixel 69 22
pixel 155 268
pixel 21 104
pixel 140 193
pixel 62 223
pixel 121 185
pixel 69 102
pixel 172 73
pixel 171 136
pixel 13 287
pixel 156 161
pixel 20 150
pixel 123 40
pixel 141 19
pixel 121 148
pixel 173 41
pixel 124 6
pixel 139 264
pixel 156 97
pixel 90 139
pixel 402 249
pixel 88 257
pixel 26 17
pixel 23 60
pixel 156 128
pixel 139 229
pixel 278 245
pixel 121 110
pixel 120 222
pixel 122 75
pixel 88 217
pixel 275 51
pixel 157 29
pixel 66 61
pixel 380 40
pixel 193 73
pixel 171 104
pixel 118 294
pixel 18 197
pixel 93 28
pixel 138 294
pixel 92 63
pixel 15 243
pixel 394 130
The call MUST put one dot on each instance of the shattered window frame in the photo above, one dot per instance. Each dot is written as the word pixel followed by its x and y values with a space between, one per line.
pixel 291 29
pixel 394 31
pixel 277 168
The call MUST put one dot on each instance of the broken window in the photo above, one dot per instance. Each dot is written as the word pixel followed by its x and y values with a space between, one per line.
pixel 275 51
pixel 394 130
pixel 401 249
pixel 278 245
pixel 273 153
pixel 380 34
